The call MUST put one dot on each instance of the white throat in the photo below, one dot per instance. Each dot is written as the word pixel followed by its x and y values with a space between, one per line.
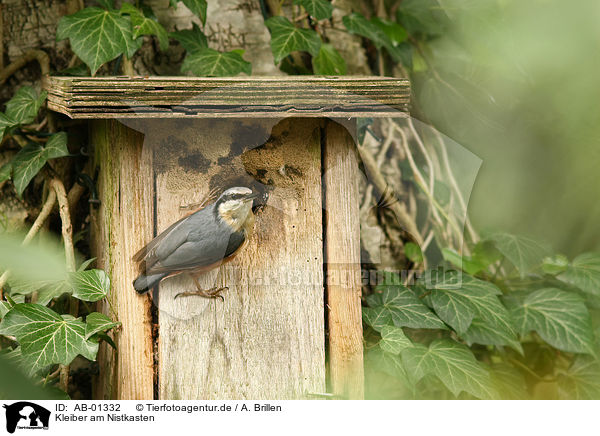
pixel 235 213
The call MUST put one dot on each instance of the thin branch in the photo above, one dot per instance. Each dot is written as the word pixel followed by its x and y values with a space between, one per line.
pixel 383 190
pixel 38 55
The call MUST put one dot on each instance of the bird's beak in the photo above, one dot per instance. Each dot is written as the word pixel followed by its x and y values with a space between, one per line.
pixel 252 196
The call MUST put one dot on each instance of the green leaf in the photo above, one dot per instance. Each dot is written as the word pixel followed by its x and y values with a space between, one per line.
pixel 523 252
pixel 31 158
pixel 198 8
pixel 287 38
pixel 584 273
pixel 401 308
pixel 581 381
pixel 509 382
pixel 393 339
pixel 5 124
pixel 145 26
pixel 45 337
pixel 85 264
pixel 472 308
pixel 91 285
pixel 78 70
pixel 191 40
pixel 453 364
pixel 388 363
pixel 555 264
pixel 413 252
pixel 319 9
pixel 47 289
pixel 98 322
pixel 394 31
pixel 25 104
pixel 5 171
pixel 98 36
pixel 209 62
pixel 359 25
pixel 56 146
pixel 465 263
pixel 560 318
pixel 328 62
pixel 4 308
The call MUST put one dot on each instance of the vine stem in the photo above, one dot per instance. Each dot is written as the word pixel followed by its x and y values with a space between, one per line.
pixel 67 233
pixel 29 56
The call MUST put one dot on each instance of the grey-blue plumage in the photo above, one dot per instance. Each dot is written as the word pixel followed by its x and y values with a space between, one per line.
pixel 196 243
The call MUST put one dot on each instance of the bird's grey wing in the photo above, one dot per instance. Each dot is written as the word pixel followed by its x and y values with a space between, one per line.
pixel 200 253
pixel 191 255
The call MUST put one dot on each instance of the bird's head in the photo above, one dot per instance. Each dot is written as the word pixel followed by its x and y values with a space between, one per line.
pixel 234 206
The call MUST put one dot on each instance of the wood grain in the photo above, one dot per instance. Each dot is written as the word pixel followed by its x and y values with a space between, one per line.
pixel 342 256
pixel 190 97
pixel 266 339
pixel 120 226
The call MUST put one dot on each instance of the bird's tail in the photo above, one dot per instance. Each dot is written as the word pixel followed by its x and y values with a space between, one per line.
pixel 144 283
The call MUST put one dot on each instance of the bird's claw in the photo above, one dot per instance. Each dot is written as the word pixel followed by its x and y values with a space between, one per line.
pixel 209 293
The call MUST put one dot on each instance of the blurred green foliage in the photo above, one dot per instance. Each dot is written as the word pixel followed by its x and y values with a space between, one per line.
pixel 517 83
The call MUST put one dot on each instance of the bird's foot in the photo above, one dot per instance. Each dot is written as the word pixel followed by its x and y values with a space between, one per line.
pixel 208 293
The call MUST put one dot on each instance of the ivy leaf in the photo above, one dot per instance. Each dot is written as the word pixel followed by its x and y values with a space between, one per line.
pixel 560 318
pixel 97 322
pixel 56 146
pixel 329 62
pixel 25 104
pixel 209 62
pixel 5 124
pixel 393 339
pixel 356 23
pixel 91 285
pixel 453 364
pixel 5 171
pixel 145 26
pixel 45 337
pixel 394 31
pixel 465 263
pixel 472 308
pixel 4 308
pixel 584 273
pixel 401 308
pixel 198 8
pixel 98 36
pixel 31 158
pixel 509 382
pixel 486 333
pixel 47 289
pixel 523 252
pixel 581 381
pixel 554 265
pixel 191 40
pixel 413 252
pixel 319 9
pixel 287 38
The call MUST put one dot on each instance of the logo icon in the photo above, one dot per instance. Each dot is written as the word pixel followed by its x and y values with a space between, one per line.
pixel 26 415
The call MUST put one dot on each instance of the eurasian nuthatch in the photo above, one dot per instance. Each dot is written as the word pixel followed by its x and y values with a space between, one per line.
pixel 198 242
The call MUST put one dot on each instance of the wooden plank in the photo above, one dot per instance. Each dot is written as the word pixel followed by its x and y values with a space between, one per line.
pixel 342 256
pixel 266 339
pixel 186 97
pixel 121 225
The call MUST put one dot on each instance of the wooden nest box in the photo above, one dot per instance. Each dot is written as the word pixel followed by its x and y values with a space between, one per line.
pixel 160 144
